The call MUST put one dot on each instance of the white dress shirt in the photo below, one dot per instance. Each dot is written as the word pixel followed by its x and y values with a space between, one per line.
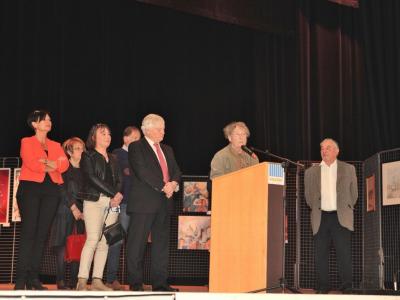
pixel 328 186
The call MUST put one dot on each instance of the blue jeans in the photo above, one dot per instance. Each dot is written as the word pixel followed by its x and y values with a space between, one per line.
pixel 115 250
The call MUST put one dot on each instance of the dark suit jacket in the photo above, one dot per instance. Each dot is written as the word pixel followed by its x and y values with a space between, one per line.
pixel 145 195
pixel 346 194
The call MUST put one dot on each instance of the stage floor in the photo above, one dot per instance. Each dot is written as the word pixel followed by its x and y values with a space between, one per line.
pixel 185 293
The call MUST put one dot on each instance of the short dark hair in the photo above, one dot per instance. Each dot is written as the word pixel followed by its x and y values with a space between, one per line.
pixel 128 130
pixel 91 139
pixel 36 116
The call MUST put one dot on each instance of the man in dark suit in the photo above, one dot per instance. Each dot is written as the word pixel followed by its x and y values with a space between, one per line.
pixel 331 193
pixel 156 175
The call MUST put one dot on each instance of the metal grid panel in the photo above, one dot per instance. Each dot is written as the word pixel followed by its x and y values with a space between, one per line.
pixel 290 246
pixel 187 266
pixel 390 229
pixel 372 232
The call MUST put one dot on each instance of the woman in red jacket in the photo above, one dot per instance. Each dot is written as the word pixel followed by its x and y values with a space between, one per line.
pixel 43 161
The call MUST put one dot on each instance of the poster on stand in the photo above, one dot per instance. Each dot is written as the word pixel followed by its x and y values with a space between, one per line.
pixel 391 183
pixel 194 232
pixel 4 195
pixel 195 196
pixel 15 216
pixel 371 196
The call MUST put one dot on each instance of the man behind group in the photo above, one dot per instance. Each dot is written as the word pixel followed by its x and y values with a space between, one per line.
pixel 130 134
pixel 331 193
pixel 155 178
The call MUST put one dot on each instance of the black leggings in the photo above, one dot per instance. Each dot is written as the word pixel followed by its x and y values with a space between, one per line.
pixel 38 203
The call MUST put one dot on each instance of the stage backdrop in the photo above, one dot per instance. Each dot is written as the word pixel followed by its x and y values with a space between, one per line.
pixel 115 61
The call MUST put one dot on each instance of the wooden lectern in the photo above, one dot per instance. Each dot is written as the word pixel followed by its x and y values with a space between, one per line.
pixel 243 221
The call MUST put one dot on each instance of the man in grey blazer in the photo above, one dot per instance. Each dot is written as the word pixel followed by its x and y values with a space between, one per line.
pixel 331 193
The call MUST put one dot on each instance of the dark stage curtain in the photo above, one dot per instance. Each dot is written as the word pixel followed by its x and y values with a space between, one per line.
pixel 381 43
pixel 349 76
pixel 331 78
pixel 116 61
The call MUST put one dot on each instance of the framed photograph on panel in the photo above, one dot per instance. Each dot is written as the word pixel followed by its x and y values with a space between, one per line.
pixel 391 183
pixel 15 216
pixel 371 196
pixel 195 196
pixel 194 232
pixel 4 195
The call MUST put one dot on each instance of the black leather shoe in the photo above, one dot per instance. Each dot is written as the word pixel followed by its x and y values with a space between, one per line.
pixel 137 287
pixel 347 291
pixel 323 291
pixel 19 285
pixel 61 285
pixel 165 288
pixel 35 284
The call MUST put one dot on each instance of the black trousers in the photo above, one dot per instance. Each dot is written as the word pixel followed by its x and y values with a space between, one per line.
pixel 141 224
pixel 331 230
pixel 38 203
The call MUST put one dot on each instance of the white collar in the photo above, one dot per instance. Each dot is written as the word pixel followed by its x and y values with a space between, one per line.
pixel 334 164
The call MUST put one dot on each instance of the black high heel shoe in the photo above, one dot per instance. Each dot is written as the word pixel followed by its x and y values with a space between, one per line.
pixel 35 284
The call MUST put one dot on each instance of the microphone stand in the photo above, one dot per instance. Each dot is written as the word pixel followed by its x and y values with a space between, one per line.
pixel 285 163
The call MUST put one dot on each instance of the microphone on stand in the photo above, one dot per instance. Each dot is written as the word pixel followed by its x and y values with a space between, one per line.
pixel 266 152
pixel 248 151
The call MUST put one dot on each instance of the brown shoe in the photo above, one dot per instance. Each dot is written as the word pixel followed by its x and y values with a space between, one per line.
pixel 82 284
pixel 115 285
pixel 98 285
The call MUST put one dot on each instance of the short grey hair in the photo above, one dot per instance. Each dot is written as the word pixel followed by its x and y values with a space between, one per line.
pixel 231 126
pixel 151 120
pixel 330 140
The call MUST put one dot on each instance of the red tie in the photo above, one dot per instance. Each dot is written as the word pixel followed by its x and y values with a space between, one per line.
pixel 163 163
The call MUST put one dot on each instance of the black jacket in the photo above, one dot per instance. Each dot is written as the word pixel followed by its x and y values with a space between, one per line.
pixel 64 220
pixel 93 166
pixel 147 181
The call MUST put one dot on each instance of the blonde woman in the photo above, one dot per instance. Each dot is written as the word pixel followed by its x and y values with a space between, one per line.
pixel 70 212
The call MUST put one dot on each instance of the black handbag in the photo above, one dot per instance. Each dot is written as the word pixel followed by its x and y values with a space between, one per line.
pixel 113 233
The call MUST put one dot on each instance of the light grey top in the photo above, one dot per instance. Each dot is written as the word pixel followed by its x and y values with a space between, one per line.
pixel 227 160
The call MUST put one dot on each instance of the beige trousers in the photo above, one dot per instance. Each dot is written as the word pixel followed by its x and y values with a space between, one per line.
pixel 94 214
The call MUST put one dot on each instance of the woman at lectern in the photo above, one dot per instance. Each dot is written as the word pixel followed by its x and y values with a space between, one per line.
pixel 232 157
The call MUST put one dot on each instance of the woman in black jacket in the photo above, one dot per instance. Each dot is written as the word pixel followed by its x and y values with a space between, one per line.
pixel 69 214
pixel 103 181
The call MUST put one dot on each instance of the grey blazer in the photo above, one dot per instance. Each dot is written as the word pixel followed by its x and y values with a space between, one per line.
pixel 346 189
